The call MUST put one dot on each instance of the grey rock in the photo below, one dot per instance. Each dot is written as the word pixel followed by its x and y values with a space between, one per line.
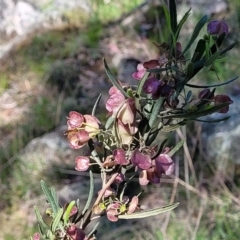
pixel 126 68
pixel 17 18
pixel 222 139
pixel 209 7
pixel 46 154
pixel 21 20
pixel 205 6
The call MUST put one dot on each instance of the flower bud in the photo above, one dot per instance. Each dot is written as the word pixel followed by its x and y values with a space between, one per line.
pixel 179 46
pixel 151 85
pixel 112 211
pixel 91 125
pixel 115 101
pixel 133 205
pixel 82 163
pixel 119 178
pixel 125 132
pixel 36 236
pixel 217 27
pixel 164 164
pixel 119 156
pixel 112 215
pixel 141 160
pixel 218 99
pixel 173 102
pixel 75 120
pixel 143 178
pixel 163 91
pixel 75 233
pixel 206 37
pixel 127 112
pixel 99 209
pixel 151 64
pixel 140 72
pixel 77 139
pixel 204 94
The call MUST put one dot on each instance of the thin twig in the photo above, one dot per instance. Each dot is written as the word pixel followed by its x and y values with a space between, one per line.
pixel 168 214
pixel 107 185
pixel 189 187
pixel 187 153
pixel 220 180
pixel 200 213
pixel 227 192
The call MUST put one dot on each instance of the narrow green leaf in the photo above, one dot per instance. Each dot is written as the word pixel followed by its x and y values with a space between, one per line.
pixel 160 149
pixel 50 235
pixel 90 195
pixel 212 109
pixel 219 42
pixel 86 220
pixel 207 51
pixel 57 219
pixel 229 48
pixel 173 15
pixel 153 134
pixel 142 81
pixel 189 96
pixel 125 185
pixel 222 59
pixel 78 204
pixel 176 148
pixel 196 31
pixel 156 109
pixel 113 80
pixel 213 121
pixel 199 51
pixel 214 85
pixel 41 223
pixel 202 102
pixel 109 122
pixel 190 69
pixel 96 104
pixel 170 21
pixel 50 196
pixel 173 127
pixel 147 108
pixel 67 212
pixel 93 230
pixel 182 21
pixel 54 195
pixel 198 66
pixel 116 129
pixel 96 157
pixel 143 126
pixel 139 91
pixel 220 39
pixel 176 69
pixel 41 230
pixel 212 59
pixel 167 16
pixel 149 213
pixel 196 114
